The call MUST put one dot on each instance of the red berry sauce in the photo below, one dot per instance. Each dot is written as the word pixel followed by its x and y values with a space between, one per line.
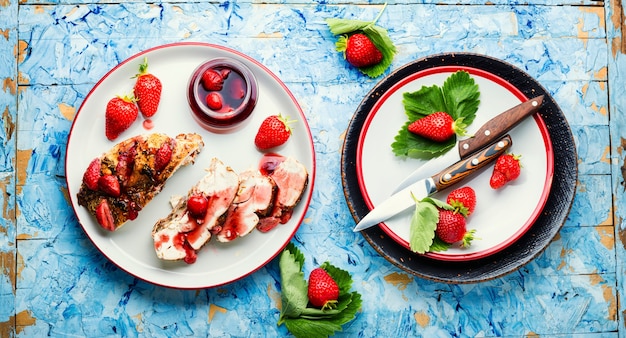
pixel 221 108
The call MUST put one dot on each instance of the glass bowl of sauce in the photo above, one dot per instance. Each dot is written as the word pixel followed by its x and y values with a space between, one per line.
pixel 222 94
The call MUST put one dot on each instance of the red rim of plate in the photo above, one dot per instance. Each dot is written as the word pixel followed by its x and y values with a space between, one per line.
pixel 540 124
pixel 291 97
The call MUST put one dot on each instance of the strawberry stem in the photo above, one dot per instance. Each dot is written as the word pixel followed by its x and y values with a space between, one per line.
pixel 467 238
pixel 379 14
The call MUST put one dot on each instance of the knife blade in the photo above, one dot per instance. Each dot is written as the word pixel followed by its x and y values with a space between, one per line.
pixel 487 133
pixel 452 175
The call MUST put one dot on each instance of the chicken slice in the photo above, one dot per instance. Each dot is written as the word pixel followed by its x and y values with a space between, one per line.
pixel 291 178
pixel 255 198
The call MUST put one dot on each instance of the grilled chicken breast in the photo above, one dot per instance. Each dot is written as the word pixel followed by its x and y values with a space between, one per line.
pixel 136 169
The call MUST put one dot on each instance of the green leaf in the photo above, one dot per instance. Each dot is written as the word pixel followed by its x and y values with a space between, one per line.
pixel 458 96
pixel 438 203
pixel 305 328
pixel 423 225
pixel 461 96
pixel 294 295
pixel 344 26
pixel 381 40
pixel 423 102
pixel 414 146
pixel 438 245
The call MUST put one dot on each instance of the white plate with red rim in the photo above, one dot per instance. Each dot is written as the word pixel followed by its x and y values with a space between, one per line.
pixel 131 247
pixel 501 216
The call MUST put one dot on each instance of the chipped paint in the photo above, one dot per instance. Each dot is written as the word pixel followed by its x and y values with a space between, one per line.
pixel 67 111
pixel 22 158
pixel 618 43
pixel 598 12
pixel 275 296
pixel 601 74
pixel 422 318
pixel 24 319
pixel 399 280
pixel 213 309
pixel 607 237
pixel 20 51
pixel 9 85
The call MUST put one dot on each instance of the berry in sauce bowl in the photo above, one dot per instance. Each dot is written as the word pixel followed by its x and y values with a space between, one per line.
pixel 222 94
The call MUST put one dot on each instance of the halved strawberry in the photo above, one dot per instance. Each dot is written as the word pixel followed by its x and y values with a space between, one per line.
pixel 92 174
pixel 104 216
pixel 109 185
pixel 162 157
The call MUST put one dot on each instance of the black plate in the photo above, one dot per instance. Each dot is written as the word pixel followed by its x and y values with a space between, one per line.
pixel 528 246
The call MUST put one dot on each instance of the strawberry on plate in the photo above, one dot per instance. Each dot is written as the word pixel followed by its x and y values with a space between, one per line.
pixel 120 114
pixel 463 200
pixel 451 228
pixel 147 90
pixel 506 169
pixel 438 126
pixel 273 132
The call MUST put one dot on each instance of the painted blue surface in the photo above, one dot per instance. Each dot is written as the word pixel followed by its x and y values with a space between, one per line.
pixel 64 286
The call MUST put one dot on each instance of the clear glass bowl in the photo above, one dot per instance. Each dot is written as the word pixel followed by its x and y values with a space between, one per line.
pixel 238 95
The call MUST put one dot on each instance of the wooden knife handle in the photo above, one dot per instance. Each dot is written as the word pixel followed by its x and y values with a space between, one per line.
pixel 465 167
pixel 499 125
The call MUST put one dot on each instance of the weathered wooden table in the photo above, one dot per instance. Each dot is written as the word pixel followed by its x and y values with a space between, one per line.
pixel 53 281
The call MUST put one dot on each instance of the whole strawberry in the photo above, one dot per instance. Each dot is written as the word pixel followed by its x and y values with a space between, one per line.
pixel 212 80
pixel 120 114
pixel 323 291
pixel 463 200
pixel 361 52
pixel 451 228
pixel 147 90
pixel 438 126
pixel 506 169
pixel 273 132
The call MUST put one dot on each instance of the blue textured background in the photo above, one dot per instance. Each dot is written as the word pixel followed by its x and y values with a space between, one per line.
pixel 54 282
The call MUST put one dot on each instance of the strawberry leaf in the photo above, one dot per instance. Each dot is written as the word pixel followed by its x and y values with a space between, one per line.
pixel 294 294
pixel 423 225
pixel 381 40
pixel 344 26
pixel 459 97
pixel 439 245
